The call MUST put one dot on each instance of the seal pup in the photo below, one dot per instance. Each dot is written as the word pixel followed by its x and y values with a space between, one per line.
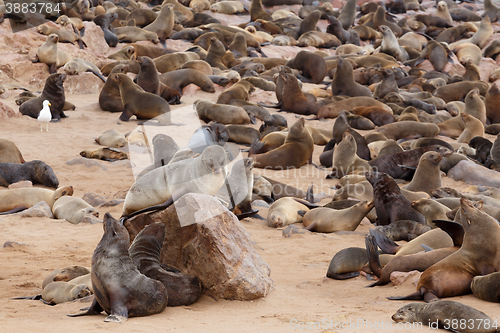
pixel 112 138
pixel 76 65
pixel 284 211
pixel 120 289
pixel 72 209
pixel 390 44
pixel 331 220
pixel 203 174
pixel 145 251
pixel 60 292
pixel 477 256
pixel 443 314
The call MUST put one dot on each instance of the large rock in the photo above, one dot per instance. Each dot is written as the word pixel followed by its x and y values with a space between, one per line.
pixel 41 209
pixel 94 38
pixel 206 240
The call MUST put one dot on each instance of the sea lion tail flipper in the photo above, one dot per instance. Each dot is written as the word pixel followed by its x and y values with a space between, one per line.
pixel 373 258
pixel 33 298
pixel 94 309
pixel 99 75
pixel 255 147
pixel 241 216
pixel 275 106
pixel 310 194
pixel 308 204
pixel 416 296
pixel 301 212
pixel 386 244
pixel 53 68
pixel 454 229
pixel 82 31
pixel 80 44
pixel 163 43
pixel 14 210
pixel 303 79
pixel 262 53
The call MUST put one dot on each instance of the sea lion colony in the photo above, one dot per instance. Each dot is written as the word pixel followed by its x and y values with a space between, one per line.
pixel 425 80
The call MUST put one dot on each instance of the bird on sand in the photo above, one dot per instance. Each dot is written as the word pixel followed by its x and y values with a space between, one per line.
pixel 45 116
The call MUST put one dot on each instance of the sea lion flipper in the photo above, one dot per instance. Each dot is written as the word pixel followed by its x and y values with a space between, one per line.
pixel 426 248
pixel 454 229
pixel 310 193
pixel 93 310
pixel 344 276
pixel 386 244
pixel 82 31
pixel 32 298
pixel 99 75
pixel 306 203
pixel 416 296
pixel 373 258
pixel 80 44
pixel 52 68
pixel 301 212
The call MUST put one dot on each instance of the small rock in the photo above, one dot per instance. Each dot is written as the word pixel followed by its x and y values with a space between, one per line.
pixel 260 203
pixel 399 278
pixel 292 229
pixel 21 184
pixel 94 38
pixel 41 209
pixel 6 111
pixel 87 162
pixel 94 199
pixel 13 244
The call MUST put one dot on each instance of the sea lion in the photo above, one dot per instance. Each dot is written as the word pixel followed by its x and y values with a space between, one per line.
pixel 72 209
pixel 257 12
pixel 172 61
pixel 473 127
pixel 50 55
pixel 391 46
pixel 347 263
pixel 23 198
pixel 37 172
pixel 149 80
pixel 126 53
pixel 380 19
pixel 53 91
pixel 313 66
pixel 486 287
pixel 142 17
pixel 458 90
pixel 379 116
pixel 385 190
pixel 199 5
pixel 431 209
pixel 104 21
pixel 120 289
pixel 466 52
pixel 105 153
pixel 109 97
pixel 76 22
pixel 137 102
pixel 345 159
pixel 318 39
pixel 408 129
pixel 202 174
pixel 65 36
pixel 180 78
pixel 240 90
pixel 145 251
pixel 333 110
pixel 491 101
pixel 294 153
pixel 444 314
pixel 221 113
pixel 283 212
pixel 65 274
pixel 9 153
pixel 403 230
pixel 76 65
pixel 481 36
pixel 242 134
pixel 296 101
pixel 331 220
pixel 269 142
pixel 427 176
pixel 60 292
pixel 163 24
pixel 477 256
pixel 112 138
pixel 228 7
pixel 343 81
pixel 348 14
pixel 134 34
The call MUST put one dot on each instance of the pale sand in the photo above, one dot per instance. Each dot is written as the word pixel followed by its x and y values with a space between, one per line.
pixel 298 264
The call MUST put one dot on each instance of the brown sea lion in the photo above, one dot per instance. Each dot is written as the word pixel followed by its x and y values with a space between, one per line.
pixel 313 66
pixel 295 102
pixel 109 97
pixel 347 14
pixel 65 36
pixel 491 102
pixel 180 78
pixel 23 198
pixel 379 19
pixel 333 110
pixel 242 134
pixel 172 61
pixel 345 159
pixel 385 194
pixel 126 53
pixel 391 46
pixel 148 79
pixel 473 127
pixel 216 51
pixel 76 65
pixel 145 250
pixel 427 176
pixel 65 274
pixel 105 153
pixel 9 153
pixel 409 129
pixel 163 24
pixel 221 113
pixel 347 263
pixel 343 81
pixel 378 115
pixel 486 287
pixel 50 55
pixel 137 102
pixel 142 17
pixel 53 91
pixel 477 256
pixel 330 220
pixel 283 212
pixel 120 289
pixel 60 292
pixel 294 153
pixel 240 90
pixel 466 52
pixel 72 209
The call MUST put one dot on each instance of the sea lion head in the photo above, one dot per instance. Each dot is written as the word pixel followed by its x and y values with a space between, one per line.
pixel 43 29
pixel 214 158
pixel 384 30
pixel 70 68
pixel 58 79
pixel 81 291
pixel 442 6
pixel 115 233
pixel 433 157
pixel 251 29
pixel 144 61
pixel 407 313
pixel 53 38
pixel 45 175
pixel 62 191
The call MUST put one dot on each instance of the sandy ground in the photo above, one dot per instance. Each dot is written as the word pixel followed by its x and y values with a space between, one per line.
pixel 303 299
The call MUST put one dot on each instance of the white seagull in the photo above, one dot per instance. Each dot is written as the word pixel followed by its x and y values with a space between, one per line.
pixel 45 116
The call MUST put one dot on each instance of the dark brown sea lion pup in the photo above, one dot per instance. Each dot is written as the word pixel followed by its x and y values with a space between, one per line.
pixel 120 289
pixel 294 153
pixel 109 97
pixel 347 263
pixel 479 255
pixel 53 91
pixel 390 204
pixel 137 102
pixel 37 172
pixel 145 251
